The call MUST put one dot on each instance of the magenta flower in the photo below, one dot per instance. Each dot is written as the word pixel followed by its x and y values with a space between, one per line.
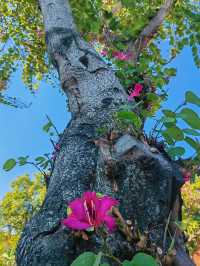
pixel 90 212
pixel 136 91
pixel 53 158
pixel 122 56
pixel 187 176
pixel 104 53
pixel 57 147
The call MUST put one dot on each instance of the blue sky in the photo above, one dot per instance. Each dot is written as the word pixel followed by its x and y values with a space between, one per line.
pixel 21 129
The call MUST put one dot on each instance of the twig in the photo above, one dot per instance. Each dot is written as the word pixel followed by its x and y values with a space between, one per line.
pixel 125 229
pixel 165 232
pixel 38 168
pixel 53 125
pixel 113 258
pixel 52 142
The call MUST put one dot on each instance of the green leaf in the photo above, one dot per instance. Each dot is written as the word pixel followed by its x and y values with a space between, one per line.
pixel 168 113
pixel 176 151
pixel 127 263
pixel 142 259
pixel 98 259
pixel 192 132
pixel 22 160
pixel 170 71
pixel 167 137
pixel 128 3
pixel 190 97
pixel 104 264
pixel 47 127
pixel 45 164
pixel 152 97
pixel 190 117
pixel 9 164
pixel 194 144
pixel 40 159
pixel 175 132
pixel 130 117
pixel 168 119
pixel 86 258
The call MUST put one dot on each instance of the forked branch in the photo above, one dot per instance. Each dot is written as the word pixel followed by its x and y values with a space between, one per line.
pixel 149 31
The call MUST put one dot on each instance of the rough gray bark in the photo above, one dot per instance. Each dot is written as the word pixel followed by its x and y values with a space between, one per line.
pixel 146 181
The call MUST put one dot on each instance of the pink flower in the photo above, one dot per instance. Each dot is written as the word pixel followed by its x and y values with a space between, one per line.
pixel 57 147
pixel 91 211
pixel 122 56
pixel 53 158
pixel 136 91
pixel 187 176
pixel 104 53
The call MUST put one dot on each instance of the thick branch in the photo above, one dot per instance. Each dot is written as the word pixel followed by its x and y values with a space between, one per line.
pixel 56 13
pixel 150 29
pixel 148 32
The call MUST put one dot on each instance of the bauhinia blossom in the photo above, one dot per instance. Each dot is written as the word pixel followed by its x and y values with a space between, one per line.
pixel 57 147
pixel 187 176
pixel 122 56
pixel 90 212
pixel 104 53
pixel 136 91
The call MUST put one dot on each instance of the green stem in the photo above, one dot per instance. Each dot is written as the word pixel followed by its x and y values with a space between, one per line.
pixel 166 229
pixel 38 168
pixel 107 249
pixel 137 104
pixel 113 258
pixel 48 118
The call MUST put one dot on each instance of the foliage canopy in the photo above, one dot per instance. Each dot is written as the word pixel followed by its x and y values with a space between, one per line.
pixel 16 208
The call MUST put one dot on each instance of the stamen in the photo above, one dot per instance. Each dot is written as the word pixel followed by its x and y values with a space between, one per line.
pixel 93 211
pixel 87 212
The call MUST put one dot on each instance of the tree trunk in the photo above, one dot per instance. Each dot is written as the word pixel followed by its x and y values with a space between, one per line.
pixel 144 180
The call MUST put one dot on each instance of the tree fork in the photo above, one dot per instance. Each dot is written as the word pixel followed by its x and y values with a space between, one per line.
pixel 146 181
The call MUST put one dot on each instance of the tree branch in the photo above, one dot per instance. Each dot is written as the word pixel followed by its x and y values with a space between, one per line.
pixel 157 20
pixel 148 32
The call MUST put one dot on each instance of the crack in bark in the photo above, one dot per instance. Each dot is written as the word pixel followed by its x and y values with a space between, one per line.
pixel 48 232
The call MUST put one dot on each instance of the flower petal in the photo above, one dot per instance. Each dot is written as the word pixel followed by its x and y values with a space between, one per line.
pixel 110 223
pixel 88 196
pixel 106 204
pixel 130 98
pixel 77 209
pixel 73 223
pixel 138 87
pixel 186 178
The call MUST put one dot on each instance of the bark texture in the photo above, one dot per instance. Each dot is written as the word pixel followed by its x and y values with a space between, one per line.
pixel 144 180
